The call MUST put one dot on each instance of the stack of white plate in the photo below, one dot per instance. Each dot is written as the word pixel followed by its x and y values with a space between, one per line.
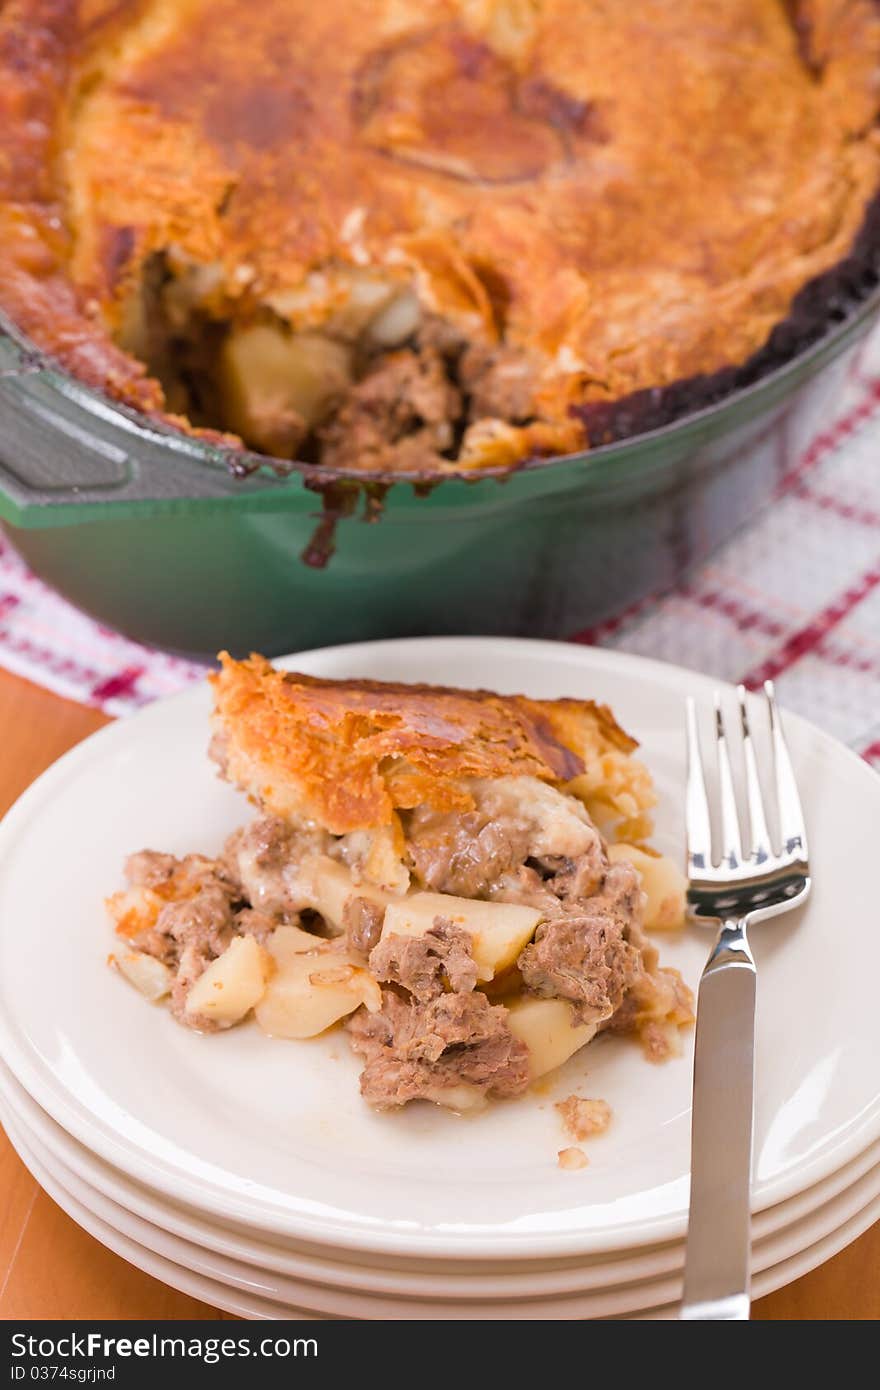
pixel 249 1173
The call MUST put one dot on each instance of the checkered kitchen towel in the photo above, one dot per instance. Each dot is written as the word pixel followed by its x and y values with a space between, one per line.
pixel 796 596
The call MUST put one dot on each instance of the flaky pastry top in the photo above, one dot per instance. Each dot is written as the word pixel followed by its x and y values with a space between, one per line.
pixel 628 194
pixel 347 754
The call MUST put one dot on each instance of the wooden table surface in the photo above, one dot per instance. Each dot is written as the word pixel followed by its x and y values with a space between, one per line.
pixel 49 1268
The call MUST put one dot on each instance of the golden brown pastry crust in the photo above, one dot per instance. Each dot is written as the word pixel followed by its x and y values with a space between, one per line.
pixel 627 195
pixel 347 754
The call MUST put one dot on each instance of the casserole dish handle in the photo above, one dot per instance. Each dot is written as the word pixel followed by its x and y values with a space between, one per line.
pixel 53 454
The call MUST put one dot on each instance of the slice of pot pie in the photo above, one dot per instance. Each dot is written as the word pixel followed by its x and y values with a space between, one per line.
pixel 409 236
pixel 460 876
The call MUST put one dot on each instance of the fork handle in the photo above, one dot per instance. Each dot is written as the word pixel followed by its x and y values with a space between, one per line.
pixel 717 1256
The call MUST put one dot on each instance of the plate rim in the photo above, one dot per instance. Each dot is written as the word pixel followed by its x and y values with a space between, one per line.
pixel 72 1179
pixel 791 1267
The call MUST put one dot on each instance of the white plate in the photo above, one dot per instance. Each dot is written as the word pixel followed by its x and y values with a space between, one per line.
pixel 276 1136
pixel 493 1300
pixel 84 1172
pixel 210 1291
pixel 824 1234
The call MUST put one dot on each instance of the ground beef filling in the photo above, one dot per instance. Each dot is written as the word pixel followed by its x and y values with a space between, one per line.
pixel 262 859
pixel 586 960
pixel 586 955
pixel 427 965
pixel 572 880
pixel 590 949
pixel 362 920
pixel 401 417
pixel 464 855
pixel 195 923
pixel 415 1050
pixel 436 1030
pixel 149 868
pixel 500 383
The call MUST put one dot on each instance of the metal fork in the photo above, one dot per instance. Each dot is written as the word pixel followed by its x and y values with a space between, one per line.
pixel 733 891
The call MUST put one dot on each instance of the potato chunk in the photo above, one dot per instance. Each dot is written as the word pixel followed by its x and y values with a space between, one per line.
pixel 396 321
pixel 312 987
pixel 345 302
pixel 325 885
pixel 146 973
pixel 276 385
pixel 499 930
pixel 663 883
pixel 286 942
pixel 545 1026
pixel 232 984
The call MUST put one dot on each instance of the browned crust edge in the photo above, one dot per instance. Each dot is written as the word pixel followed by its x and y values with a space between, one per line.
pixel 350 753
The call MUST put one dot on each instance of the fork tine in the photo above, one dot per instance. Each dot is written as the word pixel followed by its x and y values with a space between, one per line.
pixel 791 817
pixel 731 843
pixel 698 820
pixel 759 835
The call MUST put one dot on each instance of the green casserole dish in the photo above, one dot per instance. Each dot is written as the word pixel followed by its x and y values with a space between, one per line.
pixel 160 535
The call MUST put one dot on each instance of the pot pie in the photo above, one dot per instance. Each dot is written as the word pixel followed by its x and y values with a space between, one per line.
pixel 414 236
pixel 461 878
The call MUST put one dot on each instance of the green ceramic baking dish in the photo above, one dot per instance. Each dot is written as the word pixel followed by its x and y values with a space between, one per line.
pixel 160 536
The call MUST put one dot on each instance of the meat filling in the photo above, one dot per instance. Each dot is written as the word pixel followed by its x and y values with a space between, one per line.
pixel 427 965
pixel 417 1051
pixel 522 842
pixel 149 868
pixel 184 912
pixel 466 854
pixel 573 880
pixel 362 922
pixel 586 960
pixel 400 417
pixel 515 819
pixel 262 858
pixel 196 930
pixel 531 845
pixel 500 383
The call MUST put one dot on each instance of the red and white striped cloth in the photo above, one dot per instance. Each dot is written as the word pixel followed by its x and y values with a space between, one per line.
pixel 795 596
